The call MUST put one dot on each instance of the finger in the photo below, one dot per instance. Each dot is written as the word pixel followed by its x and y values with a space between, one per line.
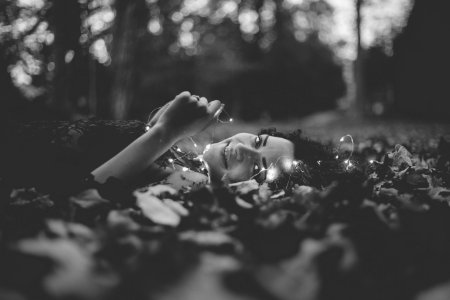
pixel 183 96
pixel 214 114
pixel 203 101
pixel 194 99
pixel 215 108
pixel 201 106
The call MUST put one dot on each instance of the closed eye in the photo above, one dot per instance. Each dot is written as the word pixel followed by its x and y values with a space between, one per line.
pixel 258 141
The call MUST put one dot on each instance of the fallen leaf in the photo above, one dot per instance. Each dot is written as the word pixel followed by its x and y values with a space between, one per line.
pixel 245 187
pixel 74 274
pixel 401 157
pixel 88 199
pixel 155 209
pixel 440 193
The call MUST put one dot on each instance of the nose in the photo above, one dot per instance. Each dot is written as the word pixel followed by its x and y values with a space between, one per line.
pixel 244 152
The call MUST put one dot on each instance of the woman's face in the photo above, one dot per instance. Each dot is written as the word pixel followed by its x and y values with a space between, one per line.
pixel 247 156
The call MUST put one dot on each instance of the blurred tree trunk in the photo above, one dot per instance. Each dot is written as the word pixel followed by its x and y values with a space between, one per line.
pixel 65 18
pixel 255 53
pixel 421 60
pixel 360 102
pixel 129 23
pixel 11 99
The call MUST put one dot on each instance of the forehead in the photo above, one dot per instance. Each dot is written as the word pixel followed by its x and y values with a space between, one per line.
pixel 277 150
pixel 274 150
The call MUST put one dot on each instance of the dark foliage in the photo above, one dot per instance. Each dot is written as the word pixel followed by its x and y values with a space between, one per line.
pixel 378 230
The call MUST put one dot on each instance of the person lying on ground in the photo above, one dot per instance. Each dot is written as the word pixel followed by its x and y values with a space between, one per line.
pixel 269 156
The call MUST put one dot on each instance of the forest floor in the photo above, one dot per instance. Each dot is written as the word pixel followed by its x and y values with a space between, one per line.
pixel 379 230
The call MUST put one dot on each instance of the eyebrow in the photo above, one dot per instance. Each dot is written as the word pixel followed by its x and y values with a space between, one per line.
pixel 265 141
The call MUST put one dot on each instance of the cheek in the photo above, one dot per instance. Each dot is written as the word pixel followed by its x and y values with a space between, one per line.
pixel 212 158
pixel 239 173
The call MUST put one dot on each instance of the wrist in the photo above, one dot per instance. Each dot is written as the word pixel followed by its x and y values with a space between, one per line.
pixel 162 134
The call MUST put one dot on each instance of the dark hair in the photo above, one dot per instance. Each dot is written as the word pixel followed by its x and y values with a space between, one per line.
pixel 316 163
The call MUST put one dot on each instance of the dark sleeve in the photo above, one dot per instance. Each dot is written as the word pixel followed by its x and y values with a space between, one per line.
pixel 54 156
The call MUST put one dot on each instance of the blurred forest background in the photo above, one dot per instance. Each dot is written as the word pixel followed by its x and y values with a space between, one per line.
pixel 266 59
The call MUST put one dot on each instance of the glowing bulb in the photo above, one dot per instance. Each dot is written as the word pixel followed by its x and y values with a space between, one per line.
pixel 147 128
pixel 271 174
pixel 184 169
pixel 295 163
pixel 319 162
pixel 346 161
pixel 341 140
pixel 207 147
pixel 350 164
pixel 287 164
pixel 337 156
pixel 231 119
pixel 371 161
pixel 178 149
pixel 195 145
pixel 170 160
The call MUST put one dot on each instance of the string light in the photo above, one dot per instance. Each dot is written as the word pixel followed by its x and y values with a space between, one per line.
pixel 350 147
pixel 193 142
pixel 272 174
pixel 199 157
pixel 150 116
pixel 290 166
pixel 219 112
pixel 287 164
pixel 348 164
pixel 207 147
pixel 341 145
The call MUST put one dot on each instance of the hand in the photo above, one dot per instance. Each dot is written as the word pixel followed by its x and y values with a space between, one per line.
pixel 186 115
pixel 158 114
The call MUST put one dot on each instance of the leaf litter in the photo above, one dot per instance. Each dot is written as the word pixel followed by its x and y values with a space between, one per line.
pixel 381 231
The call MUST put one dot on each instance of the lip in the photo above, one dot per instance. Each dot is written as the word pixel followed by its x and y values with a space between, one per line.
pixel 224 157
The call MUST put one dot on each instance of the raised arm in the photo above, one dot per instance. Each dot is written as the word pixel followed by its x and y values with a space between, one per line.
pixel 184 116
